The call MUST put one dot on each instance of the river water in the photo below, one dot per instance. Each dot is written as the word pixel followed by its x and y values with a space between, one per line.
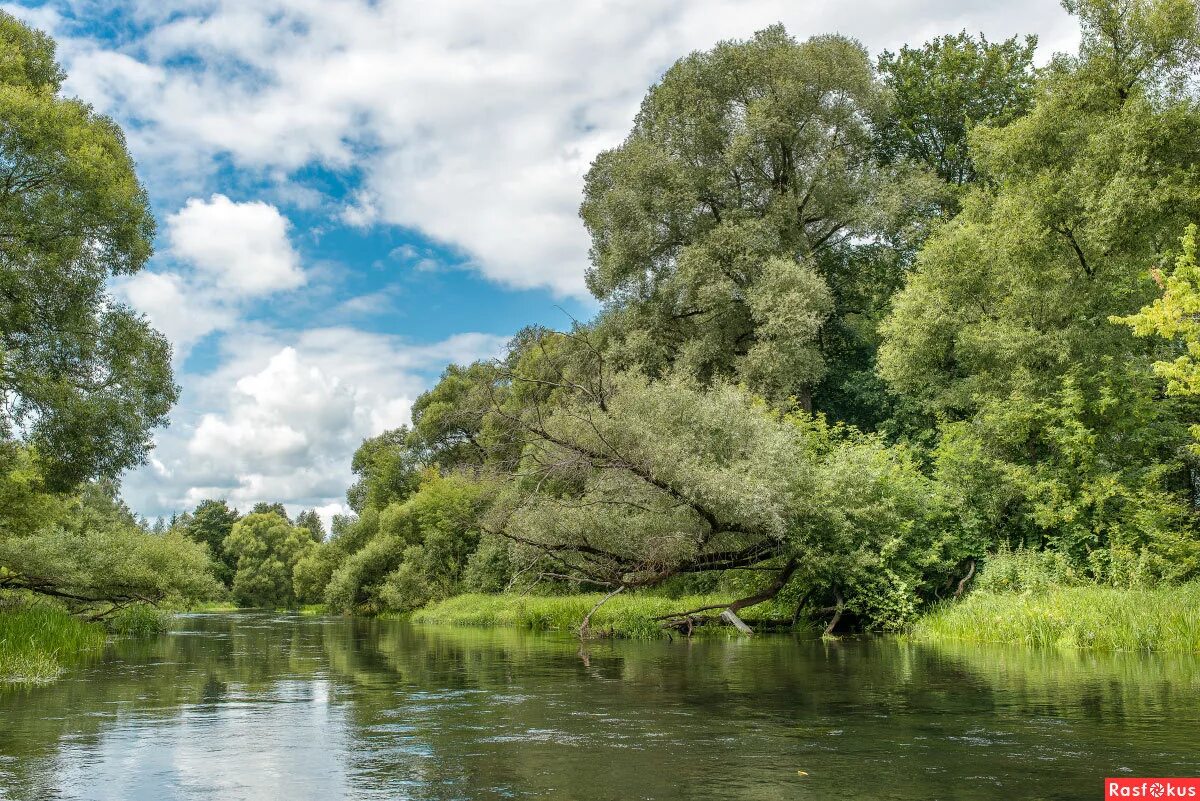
pixel 267 706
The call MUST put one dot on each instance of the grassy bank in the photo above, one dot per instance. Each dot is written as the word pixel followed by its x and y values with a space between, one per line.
pixel 623 615
pixel 1165 619
pixel 38 641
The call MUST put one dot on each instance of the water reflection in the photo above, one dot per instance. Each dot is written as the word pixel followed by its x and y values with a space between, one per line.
pixel 261 706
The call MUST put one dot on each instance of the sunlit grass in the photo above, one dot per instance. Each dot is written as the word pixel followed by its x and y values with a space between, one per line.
pixel 1163 619
pixel 38 641
pixel 629 616
pixel 139 620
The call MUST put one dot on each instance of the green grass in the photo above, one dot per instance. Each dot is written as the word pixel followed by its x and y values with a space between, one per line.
pixel 622 616
pixel 211 606
pixel 1164 619
pixel 38 641
pixel 139 620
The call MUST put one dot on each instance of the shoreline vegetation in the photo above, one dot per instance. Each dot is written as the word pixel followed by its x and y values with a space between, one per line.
pixel 39 641
pixel 1163 619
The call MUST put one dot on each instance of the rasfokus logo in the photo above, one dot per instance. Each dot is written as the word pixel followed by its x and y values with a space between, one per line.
pixel 1152 788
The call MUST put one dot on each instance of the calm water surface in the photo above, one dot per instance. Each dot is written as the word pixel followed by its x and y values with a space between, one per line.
pixel 263 706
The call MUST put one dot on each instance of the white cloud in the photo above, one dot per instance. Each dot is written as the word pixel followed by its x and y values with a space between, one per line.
pixel 362 213
pixel 181 312
pixel 471 121
pixel 283 414
pixel 242 248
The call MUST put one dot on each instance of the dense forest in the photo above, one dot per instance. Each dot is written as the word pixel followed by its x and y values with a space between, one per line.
pixel 867 324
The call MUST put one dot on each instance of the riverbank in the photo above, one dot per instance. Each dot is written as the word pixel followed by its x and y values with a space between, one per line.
pixel 39 641
pixel 1164 619
pixel 630 616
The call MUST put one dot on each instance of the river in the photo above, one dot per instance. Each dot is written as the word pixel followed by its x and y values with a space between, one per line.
pixel 269 706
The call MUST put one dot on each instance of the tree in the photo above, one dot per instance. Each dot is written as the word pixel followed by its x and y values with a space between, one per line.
pixel 311 521
pixel 627 482
pixel 265 508
pixel 747 168
pixel 419 551
pixel 447 420
pixel 267 548
pixel 1002 330
pixel 83 378
pixel 387 471
pixel 941 90
pixel 1176 316
pixel 210 523
pixel 92 554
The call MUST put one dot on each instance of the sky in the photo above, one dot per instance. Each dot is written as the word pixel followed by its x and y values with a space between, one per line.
pixel 351 194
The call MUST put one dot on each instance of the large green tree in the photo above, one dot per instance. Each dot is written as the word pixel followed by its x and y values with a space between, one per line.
pixel 1054 419
pixel 83 378
pixel 939 91
pixel 747 166
pixel 267 548
pixel 210 523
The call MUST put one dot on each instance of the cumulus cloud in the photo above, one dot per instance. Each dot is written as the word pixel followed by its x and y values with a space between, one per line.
pixel 180 311
pixel 283 414
pixel 472 122
pixel 241 248
pixel 224 255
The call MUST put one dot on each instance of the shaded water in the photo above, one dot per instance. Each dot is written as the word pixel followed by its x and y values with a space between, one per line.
pixel 264 706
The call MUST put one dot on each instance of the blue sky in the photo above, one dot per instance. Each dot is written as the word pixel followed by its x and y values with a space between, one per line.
pixel 352 193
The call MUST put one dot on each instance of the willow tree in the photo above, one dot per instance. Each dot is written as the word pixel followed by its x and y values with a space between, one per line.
pixel 627 482
pixel 746 166
pixel 84 380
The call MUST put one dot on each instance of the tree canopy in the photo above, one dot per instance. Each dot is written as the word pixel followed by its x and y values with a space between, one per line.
pixel 84 379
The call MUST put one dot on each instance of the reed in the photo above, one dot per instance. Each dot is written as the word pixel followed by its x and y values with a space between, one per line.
pixel 1163 619
pixel 38 641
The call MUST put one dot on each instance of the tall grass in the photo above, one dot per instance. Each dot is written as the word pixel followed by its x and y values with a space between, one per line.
pixel 139 620
pixel 629 616
pixel 38 641
pixel 1165 619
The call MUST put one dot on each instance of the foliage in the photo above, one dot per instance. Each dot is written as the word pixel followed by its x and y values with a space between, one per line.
pixel 312 521
pixel 94 554
pixel 386 470
pixel 313 571
pixel 716 226
pixel 267 548
pixel 1003 332
pixel 211 523
pixel 419 552
pixel 268 508
pixel 942 89
pixel 448 423
pixel 1176 316
pixel 84 379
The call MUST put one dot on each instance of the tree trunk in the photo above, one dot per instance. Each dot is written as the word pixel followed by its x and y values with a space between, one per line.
pixel 837 613
pixel 730 617
pixel 963 583
pixel 585 626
